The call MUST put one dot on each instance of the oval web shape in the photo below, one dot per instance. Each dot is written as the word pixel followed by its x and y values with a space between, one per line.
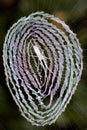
pixel 43 65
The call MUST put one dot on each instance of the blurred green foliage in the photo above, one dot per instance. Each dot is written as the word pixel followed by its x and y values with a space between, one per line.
pixel 74 12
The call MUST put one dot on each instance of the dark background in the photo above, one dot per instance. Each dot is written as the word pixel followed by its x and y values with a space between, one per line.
pixel 74 13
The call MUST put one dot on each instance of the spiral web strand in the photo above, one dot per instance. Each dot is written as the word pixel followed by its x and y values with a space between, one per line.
pixel 43 65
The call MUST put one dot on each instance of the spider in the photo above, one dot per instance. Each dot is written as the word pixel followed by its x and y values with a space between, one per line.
pixel 41 58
